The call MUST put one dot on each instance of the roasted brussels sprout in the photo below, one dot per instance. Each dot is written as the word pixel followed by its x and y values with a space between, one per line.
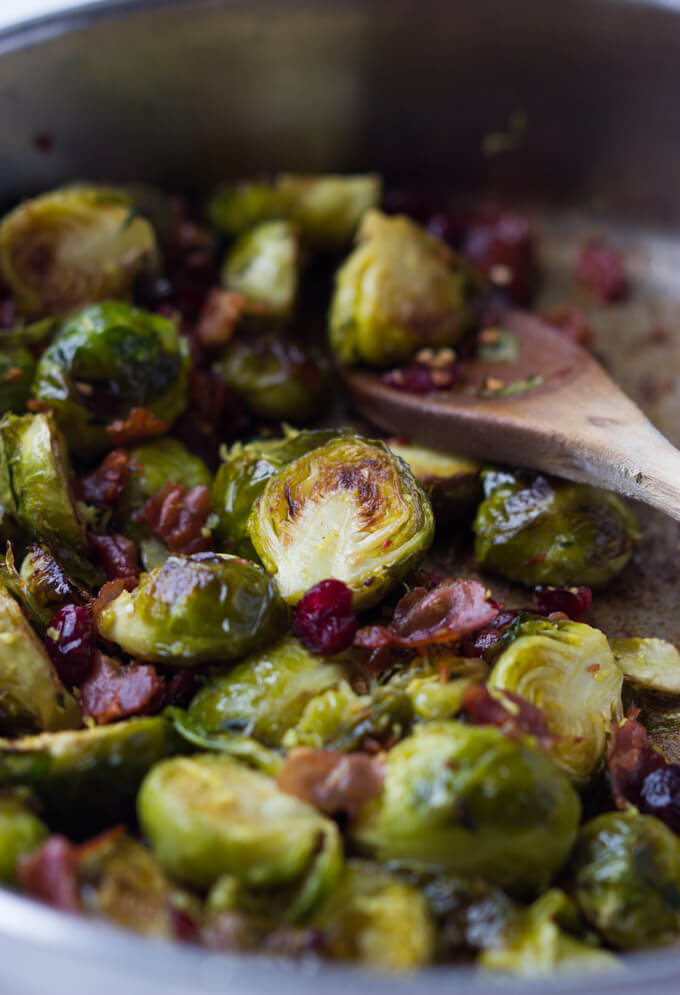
pixel 275 378
pixel 234 744
pixel 243 475
pixel 340 719
pixel 452 483
pixel 88 779
pixel 69 247
pixel 43 586
pixel 372 917
pixel 625 876
pixel 196 609
pixel 539 530
pixel 32 697
pixel 467 799
pixel 263 265
pixel 326 209
pixel 209 815
pixel 17 369
pixel 652 664
pixel 105 361
pixel 21 832
pixel 266 693
pixel 538 947
pixel 568 670
pixel 400 290
pixel 349 510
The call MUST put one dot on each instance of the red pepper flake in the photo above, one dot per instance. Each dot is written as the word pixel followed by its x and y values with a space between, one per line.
pixel 593 668
pixel 600 268
pixel 140 424
pixel 178 515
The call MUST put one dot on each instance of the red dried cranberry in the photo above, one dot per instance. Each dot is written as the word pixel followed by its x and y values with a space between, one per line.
pixel 419 378
pixel 323 620
pixel 600 267
pixel 70 643
pixel 660 795
pixel 573 601
pixel 499 243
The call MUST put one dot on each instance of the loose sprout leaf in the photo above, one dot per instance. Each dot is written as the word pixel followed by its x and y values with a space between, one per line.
pixel 648 663
pixel 234 744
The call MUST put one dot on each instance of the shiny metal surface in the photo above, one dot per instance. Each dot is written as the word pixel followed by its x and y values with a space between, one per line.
pixel 584 97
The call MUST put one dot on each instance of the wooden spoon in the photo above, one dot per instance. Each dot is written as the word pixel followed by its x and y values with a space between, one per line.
pixel 575 422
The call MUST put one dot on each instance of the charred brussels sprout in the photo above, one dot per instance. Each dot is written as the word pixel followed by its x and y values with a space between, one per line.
pixel 326 209
pixel 106 360
pixel 32 697
pixel 17 368
pixel 266 693
pixel 243 475
pixel 452 483
pixel 21 832
pixel 73 246
pixel 43 586
pixel 568 671
pixel 372 917
pixel 88 779
pixel 195 609
pixel 467 799
pixel 276 379
pixel 263 265
pixel 652 664
pixel 625 876
pixel 399 290
pixel 209 815
pixel 349 510
pixel 539 530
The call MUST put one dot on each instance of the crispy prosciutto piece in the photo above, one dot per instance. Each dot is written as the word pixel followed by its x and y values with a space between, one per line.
pixel 333 782
pixel 115 691
pixel 177 514
pixel 514 716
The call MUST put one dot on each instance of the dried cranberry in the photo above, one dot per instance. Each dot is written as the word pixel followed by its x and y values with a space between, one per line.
pixel 483 639
pixel 323 620
pixel 70 643
pixel 660 795
pixel 573 601
pixel 600 267
pixel 419 378
pixel 499 243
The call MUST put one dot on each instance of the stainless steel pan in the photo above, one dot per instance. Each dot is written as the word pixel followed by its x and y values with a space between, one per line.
pixel 190 92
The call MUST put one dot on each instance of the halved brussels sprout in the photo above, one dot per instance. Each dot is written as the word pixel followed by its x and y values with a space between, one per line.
pixel 73 246
pixel 42 586
pixel 105 361
pixel 468 800
pixel 339 719
pixel 539 947
pixel 32 697
pixel 209 815
pixel 264 265
pixel 653 664
pixel 88 779
pixel 21 832
pixel 349 510
pixel 265 694
pixel 234 744
pixel 326 209
pixel 625 876
pixel 568 671
pixel 400 290
pixel 539 530
pixel 452 483
pixel 196 609
pixel 275 378
pixel 243 475
pixel 372 917
pixel 17 369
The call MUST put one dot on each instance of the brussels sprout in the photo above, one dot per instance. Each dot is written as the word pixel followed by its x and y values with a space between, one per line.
pixel 340 719
pixel 196 609
pixel 653 664
pixel 21 832
pixel 349 510
pixel 467 799
pixel 87 779
pixel 398 291
pixel 540 948
pixel 625 877
pixel 326 209
pixel 539 530
pixel 26 336
pixel 31 695
pixel 17 368
pixel 568 670
pixel 106 360
pixel 234 744
pixel 275 378
pixel 243 475
pixel 374 918
pixel 42 586
pixel 263 265
pixel 72 246
pixel 452 483
pixel 265 694
pixel 210 815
